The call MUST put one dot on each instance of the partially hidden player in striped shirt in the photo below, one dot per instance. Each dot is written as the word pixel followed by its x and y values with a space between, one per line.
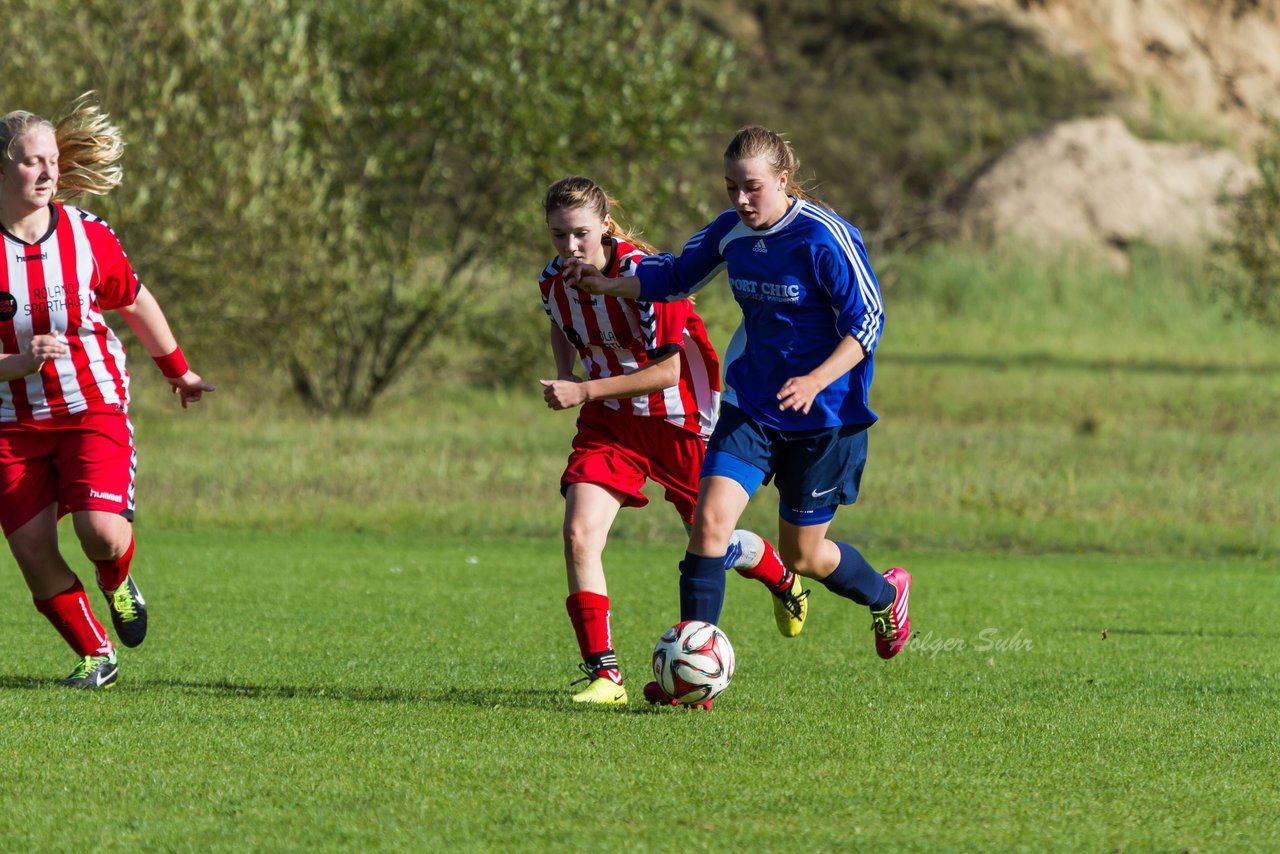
pixel 66 444
pixel 646 402
pixel 797 376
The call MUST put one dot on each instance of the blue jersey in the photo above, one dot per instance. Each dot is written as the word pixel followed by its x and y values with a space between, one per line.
pixel 803 284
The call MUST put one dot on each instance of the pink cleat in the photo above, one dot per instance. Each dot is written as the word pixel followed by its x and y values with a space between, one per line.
pixel 893 625
pixel 654 694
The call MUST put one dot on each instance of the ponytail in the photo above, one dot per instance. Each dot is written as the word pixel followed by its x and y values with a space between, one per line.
pixel 89 146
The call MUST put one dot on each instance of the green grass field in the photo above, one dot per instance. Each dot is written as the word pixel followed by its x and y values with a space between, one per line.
pixel 359 642
pixel 359 692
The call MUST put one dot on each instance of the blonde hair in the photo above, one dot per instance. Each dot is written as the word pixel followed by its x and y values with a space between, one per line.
pixel 576 192
pixel 89 146
pixel 756 141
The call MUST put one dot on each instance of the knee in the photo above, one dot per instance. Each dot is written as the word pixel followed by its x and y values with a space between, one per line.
pixel 711 532
pixel 712 517
pixel 581 540
pixel 103 543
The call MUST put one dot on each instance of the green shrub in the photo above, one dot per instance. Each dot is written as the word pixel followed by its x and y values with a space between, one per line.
pixel 1250 276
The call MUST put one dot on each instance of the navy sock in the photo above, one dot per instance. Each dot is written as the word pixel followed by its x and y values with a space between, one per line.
pixel 701 588
pixel 855 579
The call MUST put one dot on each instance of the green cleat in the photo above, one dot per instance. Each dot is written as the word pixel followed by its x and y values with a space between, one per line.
pixel 128 612
pixel 94 671
pixel 790 607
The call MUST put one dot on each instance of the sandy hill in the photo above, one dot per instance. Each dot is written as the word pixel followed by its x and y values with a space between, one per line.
pixel 1218 60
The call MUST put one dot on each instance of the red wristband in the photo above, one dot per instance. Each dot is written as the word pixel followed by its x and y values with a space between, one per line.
pixel 173 365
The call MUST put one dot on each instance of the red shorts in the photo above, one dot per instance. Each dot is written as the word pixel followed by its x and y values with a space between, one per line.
pixel 623 451
pixel 82 462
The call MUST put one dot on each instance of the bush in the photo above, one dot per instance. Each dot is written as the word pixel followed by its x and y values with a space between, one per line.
pixel 1250 279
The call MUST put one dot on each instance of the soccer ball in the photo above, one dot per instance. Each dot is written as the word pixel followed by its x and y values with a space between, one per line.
pixel 693 662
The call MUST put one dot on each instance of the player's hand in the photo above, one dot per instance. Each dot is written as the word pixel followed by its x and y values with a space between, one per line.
pixel 564 394
pixel 190 387
pixel 798 393
pixel 46 348
pixel 583 276
pixel 574 269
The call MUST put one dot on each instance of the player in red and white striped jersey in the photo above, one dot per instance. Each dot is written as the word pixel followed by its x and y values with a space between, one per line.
pixel 648 403
pixel 615 338
pixel 66 445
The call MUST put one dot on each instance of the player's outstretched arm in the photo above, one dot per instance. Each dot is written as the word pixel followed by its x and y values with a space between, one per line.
pixel 656 375
pixel 147 320
pixel 581 275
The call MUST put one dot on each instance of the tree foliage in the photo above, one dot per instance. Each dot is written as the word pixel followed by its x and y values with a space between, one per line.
pixel 323 189
pixel 1253 239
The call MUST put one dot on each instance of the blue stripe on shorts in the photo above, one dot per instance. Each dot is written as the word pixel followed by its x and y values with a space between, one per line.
pixel 721 464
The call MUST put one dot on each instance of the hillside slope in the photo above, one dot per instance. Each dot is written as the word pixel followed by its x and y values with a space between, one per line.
pixel 897 107
pixel 1213 60
pixel 892 104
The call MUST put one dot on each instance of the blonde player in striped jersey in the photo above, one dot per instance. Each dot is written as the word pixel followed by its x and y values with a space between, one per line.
pixel 66 445
pixel 647 404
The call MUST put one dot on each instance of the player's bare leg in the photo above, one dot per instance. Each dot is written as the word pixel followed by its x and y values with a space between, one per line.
pixel 590 510
pixel 35 549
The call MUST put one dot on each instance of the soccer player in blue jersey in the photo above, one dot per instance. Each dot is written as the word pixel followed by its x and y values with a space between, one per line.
pixel 797 374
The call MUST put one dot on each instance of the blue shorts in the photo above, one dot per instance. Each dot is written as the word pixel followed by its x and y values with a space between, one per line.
pixel 815 471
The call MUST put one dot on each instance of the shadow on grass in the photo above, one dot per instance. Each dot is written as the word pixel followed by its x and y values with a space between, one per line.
pixel 36 682
pixel 483 698
pixel 522 697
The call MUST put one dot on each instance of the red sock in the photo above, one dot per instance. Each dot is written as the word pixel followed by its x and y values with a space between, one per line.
pixel 70 614
pixel 769 571
pixel 589 613
pixel 112 573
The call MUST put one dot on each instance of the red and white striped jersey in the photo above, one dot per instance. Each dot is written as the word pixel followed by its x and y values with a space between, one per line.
pixel 616 336
pixel 65 282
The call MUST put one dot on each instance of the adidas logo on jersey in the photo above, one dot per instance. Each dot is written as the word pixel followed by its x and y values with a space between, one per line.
pixel 759 247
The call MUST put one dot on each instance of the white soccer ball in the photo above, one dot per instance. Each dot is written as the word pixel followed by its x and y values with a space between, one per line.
pixel 693 662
